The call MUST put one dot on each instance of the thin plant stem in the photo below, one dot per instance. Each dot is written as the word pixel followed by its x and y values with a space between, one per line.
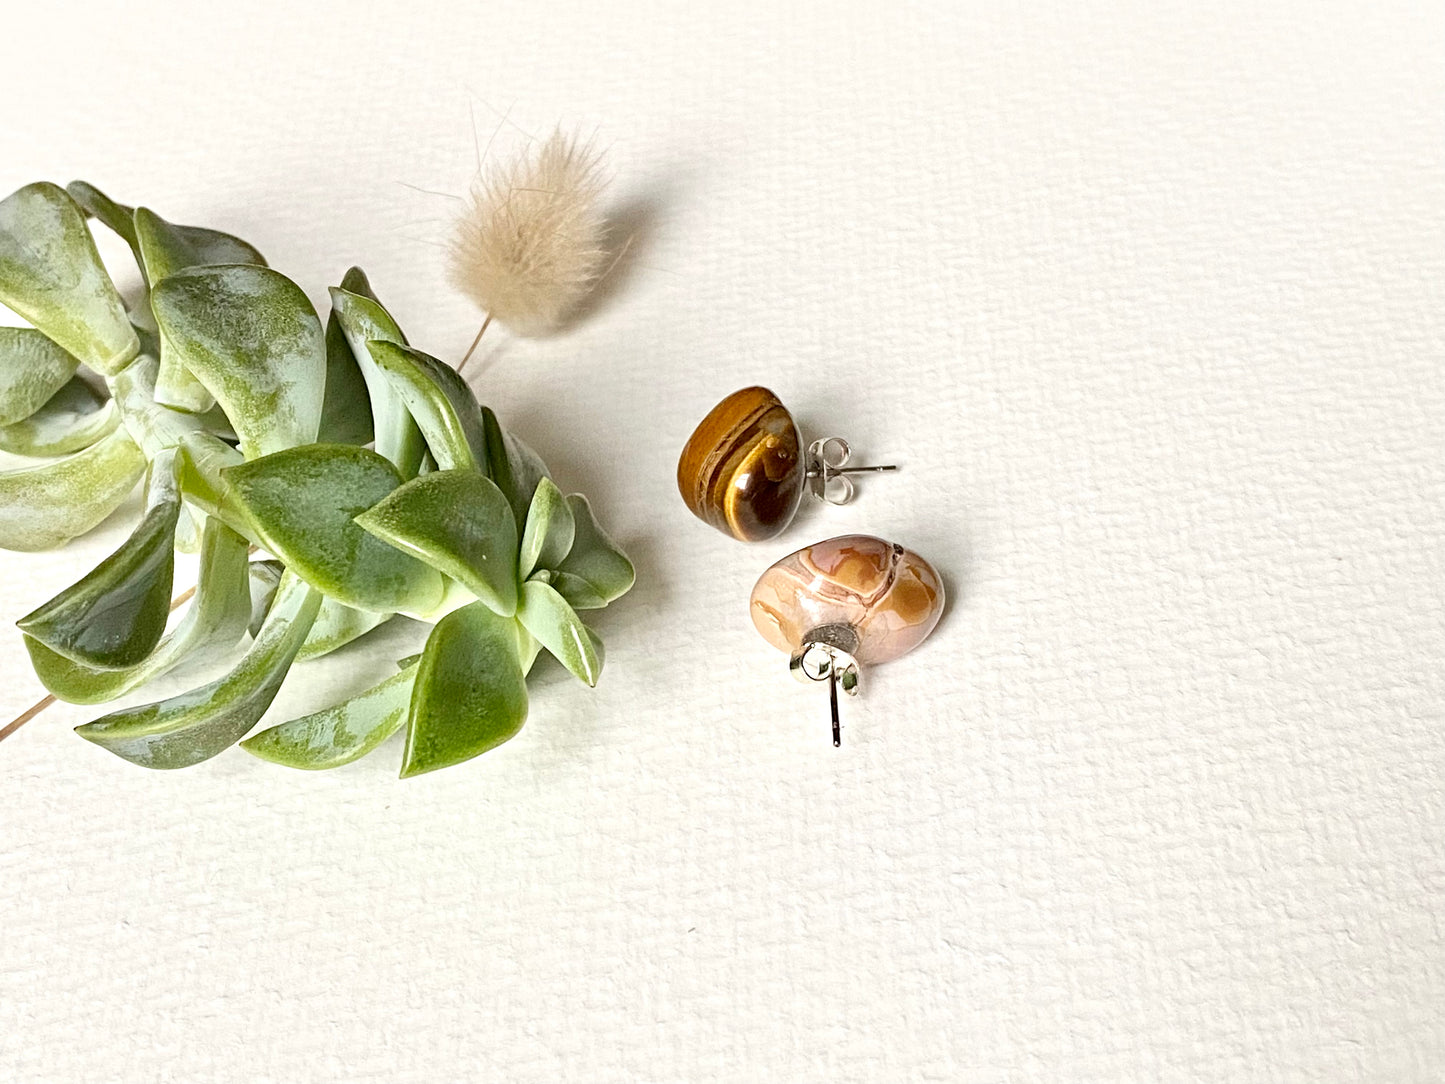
pixel 468 355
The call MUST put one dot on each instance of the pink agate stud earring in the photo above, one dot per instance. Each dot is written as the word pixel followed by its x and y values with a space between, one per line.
pixel 849 602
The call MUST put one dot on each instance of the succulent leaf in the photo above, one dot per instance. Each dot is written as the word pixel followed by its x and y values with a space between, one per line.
pixel 594 557
pixel 116 216
pixel 513 466
pixel 547 616
pixel 264 576
pixel 578 593
pixel 165 249
pixel 346 410
pixel 470 693
pixel 73 418
pixel 196 725
pixel 301 505
pixel 250 336
pixel 439 400
pixel 362 319
pixel 51 274
pixel 32 369
pixel 114 616
pixel 458 522
pixel 549 531
pixel 45 505
pixel 336 626
pixel 203 459
pixel 154 426
pixel 212 624
pixel 341 733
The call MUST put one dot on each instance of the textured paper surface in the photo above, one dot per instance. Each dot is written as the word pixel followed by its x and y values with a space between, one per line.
pixel 1147 301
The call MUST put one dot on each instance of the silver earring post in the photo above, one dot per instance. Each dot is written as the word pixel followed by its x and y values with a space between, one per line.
pixel 828 470
pixel 827 655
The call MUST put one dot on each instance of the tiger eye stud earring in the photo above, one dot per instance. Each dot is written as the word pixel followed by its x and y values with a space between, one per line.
pixel 744 468
pixel 849 602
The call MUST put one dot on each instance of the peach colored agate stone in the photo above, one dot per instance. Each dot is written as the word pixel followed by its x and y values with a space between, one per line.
pixel 888 596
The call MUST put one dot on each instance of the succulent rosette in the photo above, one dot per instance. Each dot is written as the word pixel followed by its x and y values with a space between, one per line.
pixel 327 479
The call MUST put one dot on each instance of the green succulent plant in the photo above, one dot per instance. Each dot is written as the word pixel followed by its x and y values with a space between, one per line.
pixel 365 471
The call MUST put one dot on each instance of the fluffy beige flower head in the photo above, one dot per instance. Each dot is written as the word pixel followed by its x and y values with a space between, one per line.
pixel 530 243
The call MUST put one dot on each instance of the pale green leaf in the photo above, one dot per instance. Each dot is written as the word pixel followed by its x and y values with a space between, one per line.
pixel 45 505
pixel 188 532
pixel 164 250
pixel 155 427
pixel 363 319
pixel 440 402
pixel 470 693
pixel 74 418
pixel 177 387
pixel 210 626
pixel 580 594
pixel 339 734
pixel 203 459
pixel 594 557
pixel 116 216
pixel 250 336
pixel 51 275
pixel 32 370
pixel 548 535
pixel 265 576
pixel 547 616
pixel 336 626
pixel 301 505
pixel 459 523
pixel 196 725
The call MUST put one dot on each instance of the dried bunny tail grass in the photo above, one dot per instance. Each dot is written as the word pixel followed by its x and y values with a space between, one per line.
pixel 530 242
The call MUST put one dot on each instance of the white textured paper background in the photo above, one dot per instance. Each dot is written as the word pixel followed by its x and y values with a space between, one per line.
pixel 1147 300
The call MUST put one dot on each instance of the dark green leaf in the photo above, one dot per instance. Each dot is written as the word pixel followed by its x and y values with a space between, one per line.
pixel 211 625
pixel 115 615
pixel 470 693
pixel 302 505
pixel 459 523
pixel 513 466
pixel 346 412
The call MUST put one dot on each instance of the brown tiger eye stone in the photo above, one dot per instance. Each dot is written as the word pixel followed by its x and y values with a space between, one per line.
pixel 742 469
pixel 889 596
